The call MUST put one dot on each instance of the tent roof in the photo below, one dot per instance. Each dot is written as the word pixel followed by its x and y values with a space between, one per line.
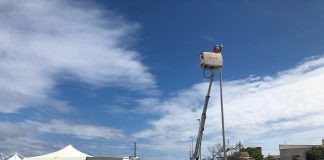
pixel 68 151
pixel 15 157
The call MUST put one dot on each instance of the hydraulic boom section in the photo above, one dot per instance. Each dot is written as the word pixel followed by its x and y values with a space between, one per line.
pixel 196 154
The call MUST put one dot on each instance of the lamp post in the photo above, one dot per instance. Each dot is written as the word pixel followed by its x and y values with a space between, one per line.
pixel 199 147
pixel 222 111
pixel 108 141
pixel 191 145
pixel 190 155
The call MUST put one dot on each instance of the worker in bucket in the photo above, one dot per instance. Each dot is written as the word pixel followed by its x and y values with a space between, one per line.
pixel 218 49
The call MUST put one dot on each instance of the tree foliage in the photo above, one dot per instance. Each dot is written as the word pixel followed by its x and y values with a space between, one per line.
pixel 271 157
pixel 253 153
pixel 216 152
pixel 315 153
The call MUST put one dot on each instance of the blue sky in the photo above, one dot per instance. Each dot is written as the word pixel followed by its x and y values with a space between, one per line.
pixel 103 74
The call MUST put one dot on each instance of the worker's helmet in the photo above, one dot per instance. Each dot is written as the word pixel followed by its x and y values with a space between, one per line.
pixel 218 49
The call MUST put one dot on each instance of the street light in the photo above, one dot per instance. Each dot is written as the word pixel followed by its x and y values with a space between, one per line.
pixel 222 110
pixel 191 144
pixel 190 155
pixel 200 147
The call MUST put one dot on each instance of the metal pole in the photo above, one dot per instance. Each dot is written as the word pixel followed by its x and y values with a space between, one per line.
pixel 200 146
pixel 191 145
pixel 222 111
pixel 135 149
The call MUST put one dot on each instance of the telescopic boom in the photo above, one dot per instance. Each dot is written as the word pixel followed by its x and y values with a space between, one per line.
pixel 196 154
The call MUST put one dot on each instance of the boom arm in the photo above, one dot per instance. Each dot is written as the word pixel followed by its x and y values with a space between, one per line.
pixel 196 154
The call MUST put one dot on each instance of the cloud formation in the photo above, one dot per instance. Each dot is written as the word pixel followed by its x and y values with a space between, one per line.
pixel 26 137
pixel 22 138
pixel 258 110
pixel 83 131
pixel 45 41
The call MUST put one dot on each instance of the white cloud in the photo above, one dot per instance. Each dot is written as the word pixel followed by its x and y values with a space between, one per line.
pixel 21 138
pixel 43 41
pixel 83 131
pixel 256 109
pixel 27 137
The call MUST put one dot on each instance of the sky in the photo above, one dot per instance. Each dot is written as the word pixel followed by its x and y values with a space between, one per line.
pixel 101 75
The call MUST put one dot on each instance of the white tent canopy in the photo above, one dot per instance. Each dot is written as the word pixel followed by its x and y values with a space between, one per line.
pixel 15 157
pixel 66 153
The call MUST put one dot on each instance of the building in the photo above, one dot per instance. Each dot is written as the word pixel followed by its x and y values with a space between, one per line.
pixel 295 152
